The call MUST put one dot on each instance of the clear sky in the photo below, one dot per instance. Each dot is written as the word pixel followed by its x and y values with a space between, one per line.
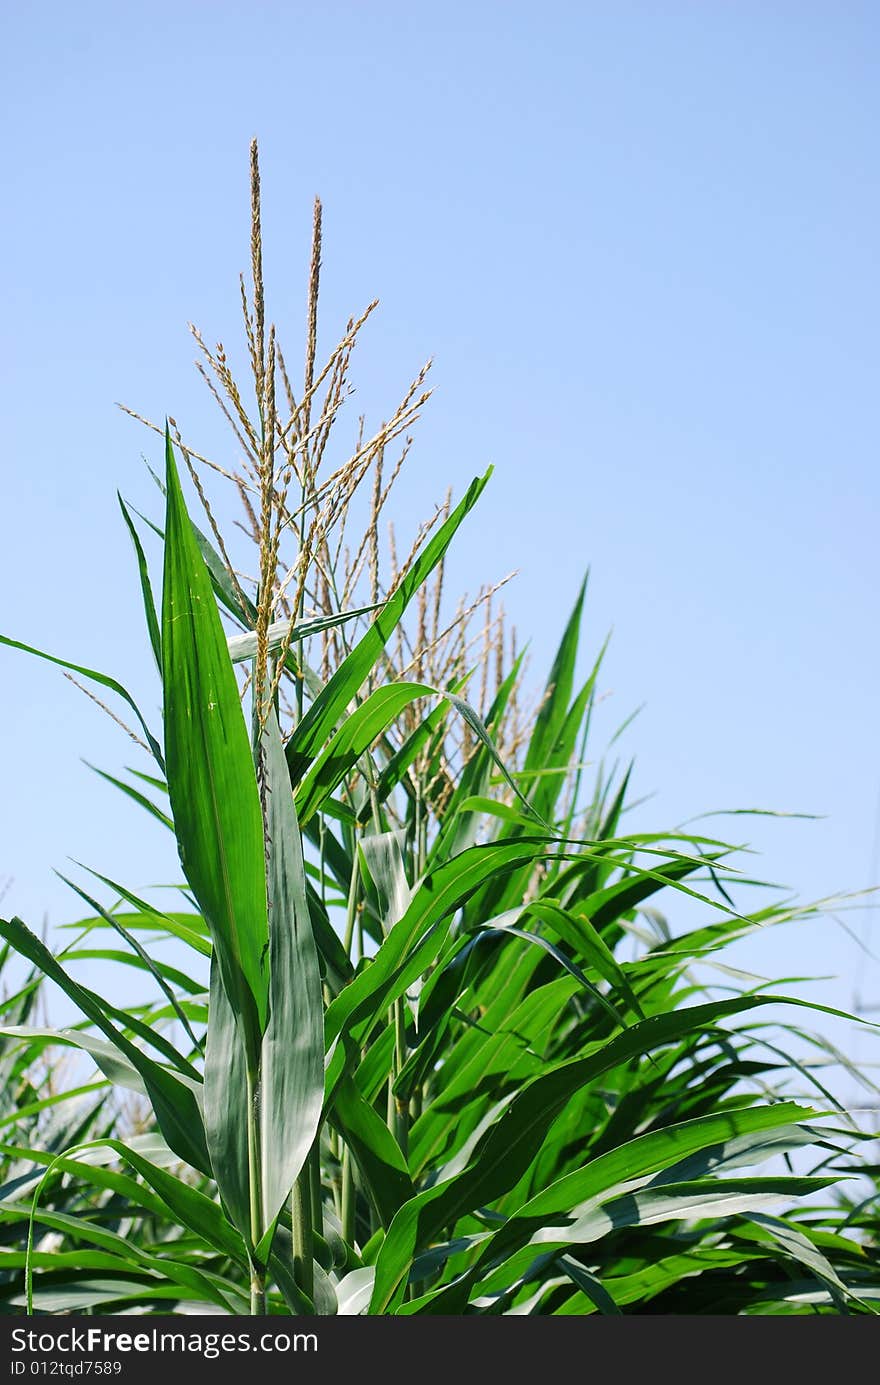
pixel 640 240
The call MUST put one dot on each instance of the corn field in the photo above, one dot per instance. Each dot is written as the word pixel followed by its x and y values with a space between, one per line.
pixel 420 1032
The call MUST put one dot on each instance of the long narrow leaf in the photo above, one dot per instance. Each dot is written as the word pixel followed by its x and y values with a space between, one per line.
pixel 211 779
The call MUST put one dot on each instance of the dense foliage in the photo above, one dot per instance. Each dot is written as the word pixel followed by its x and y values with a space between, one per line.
pixel 419 1039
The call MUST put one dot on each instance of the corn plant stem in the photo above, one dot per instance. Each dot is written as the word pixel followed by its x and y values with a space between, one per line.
pixel 422 836
pixel 374 801
pixel 417 826
pixel 405 1113
pixel 255 1192
pixel 398 1109
pixel 305 1194
pixel 390 1116
pixel 351 909
pixel 336 1181
pixel 303 1238
pixel 347 1196
pixel 401 1107
pixel 423 846
pixel 347 1208
pixel 360 930
pixel 322 829
pixel 314 1167
pixel 254 1144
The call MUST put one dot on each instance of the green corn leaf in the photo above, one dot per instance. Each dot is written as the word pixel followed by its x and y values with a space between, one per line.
pixel 226 594
pixel 90 1169
pixel 149 779
pixel 724 1140
pixel 190 928
pixel 354 1290
pixel 382 864
pixel 115 1067
pixel 146 589
pixel 704 1198
pixel 373 1072
pixel 395 771
pixel 477 803
pixel 414 942
pixel 503 1041
pixel 798 1245
pixel 226 1106
pixel 554 706
pixel 577 930
pixel 458 830
pixel 134 794
pixel 210 773
pixel 292 1067
pixel 196 1211
pixel 152 921
pixel 24 1110
pixel 606 906
pixel 173 975
pixel 536 940
pixel 128 1257
pixel 335 964
pixel 142 954
pixel 508 1148
pixel 375 714
pixel 327 709
pixel 645 1283
pixel 242 647
pixel 105 682
pixel 173 1100
pixel 378 1154
pixel 589 1285
pixel 89 1294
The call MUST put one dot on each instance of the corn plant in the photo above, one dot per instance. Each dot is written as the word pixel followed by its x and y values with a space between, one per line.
pixel 425 1043
pixel 43 1111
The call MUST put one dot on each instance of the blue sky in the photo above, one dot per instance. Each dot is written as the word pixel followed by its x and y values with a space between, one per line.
pixel 639 241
